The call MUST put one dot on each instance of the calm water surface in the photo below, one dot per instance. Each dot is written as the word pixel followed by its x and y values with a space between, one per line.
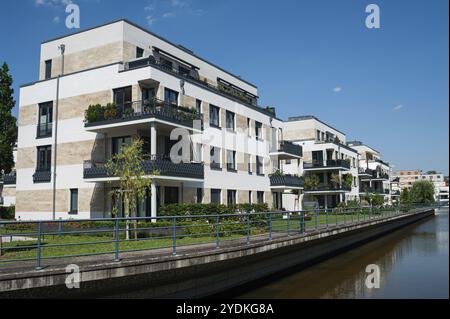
pixel 413 261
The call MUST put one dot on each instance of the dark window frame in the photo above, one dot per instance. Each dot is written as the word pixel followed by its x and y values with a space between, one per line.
pixel 44 158
pixel 216 192
pixel 48 69
pixel 73 208
pixel 213 108
pixel 44 128
pixel 139 52
pixel 229 114
pixel 171 96
pixel 231 197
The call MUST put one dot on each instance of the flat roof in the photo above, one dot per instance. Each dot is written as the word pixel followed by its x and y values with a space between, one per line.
pixel 310 117
pixel 157 36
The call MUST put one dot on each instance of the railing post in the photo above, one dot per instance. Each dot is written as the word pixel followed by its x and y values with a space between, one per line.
pixel 38 255
pixel 315 218
pixel 302 222
pixel 248 228
pixel 116 235
pixel 270 226
pixel 337 218
pixel 326 217
pixel 174 236
pixel 358 211
pixel 217 231
pixel 289 224
pixel 59 227
pixel 345 216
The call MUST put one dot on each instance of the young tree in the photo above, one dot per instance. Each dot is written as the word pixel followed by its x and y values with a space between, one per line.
pixel 422 192
pixel 405 196
pixel 8 123
pixel 128 166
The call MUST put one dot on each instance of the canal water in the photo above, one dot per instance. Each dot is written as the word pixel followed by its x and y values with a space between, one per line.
pixel 413 263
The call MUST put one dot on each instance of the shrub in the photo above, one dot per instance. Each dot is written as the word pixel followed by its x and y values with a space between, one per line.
pixel 93 113
pixel 111 111
pixel 7 212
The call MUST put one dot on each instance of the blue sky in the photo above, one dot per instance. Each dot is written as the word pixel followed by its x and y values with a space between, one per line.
pixel 387 87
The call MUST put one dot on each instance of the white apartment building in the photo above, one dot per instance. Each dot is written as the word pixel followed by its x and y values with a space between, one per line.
pixel 408 177
pixel 374 173
pixel 327 162
pixel 145 86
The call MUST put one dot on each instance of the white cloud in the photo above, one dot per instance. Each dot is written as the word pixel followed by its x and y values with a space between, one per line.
pixel 56 20
pixel 52 3
pixel 178 3
pixel 397 108
pixel 168 15
pixel 150 19
pixel 337 89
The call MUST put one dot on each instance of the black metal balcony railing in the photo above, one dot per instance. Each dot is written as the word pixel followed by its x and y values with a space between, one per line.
pixel 42 176
pixel 9 179
pixel 147 109
pixel 286 181
pixel 44 130
pixel 290 148
pixel 327 164
pixel 160 164
pixel 328 187
pixel 372 174
pixel 372 190
pixel 193 76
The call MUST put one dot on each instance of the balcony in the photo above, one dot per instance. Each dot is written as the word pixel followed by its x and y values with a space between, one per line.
pixel 227 90
pixel 9 179
pixel 327 188
pixel 44 130
pixel 162 165
pixel 287 150
pixel 42 176
pixel 370 174
pixel 113 115
pixel 372 190
pixel 327 165
pixel 286 181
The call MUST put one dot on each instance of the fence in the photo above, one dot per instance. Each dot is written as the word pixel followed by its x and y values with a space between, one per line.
pixel 44 240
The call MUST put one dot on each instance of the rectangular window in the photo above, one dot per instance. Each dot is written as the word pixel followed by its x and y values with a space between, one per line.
pixel 258 130
pixel 48 69
pixel 249 129
pixel 260 197
pixel 170 96
pixel 317 135
pixel 231 197
pixel 231 160
pixel 44 158
pixel 171 195
pixel 230 120
pixel 45 119
pixel 199 195
pixel 249 163
pixel 214 113
pixel 215 196
pixel 259 165
pixel 249 197
pixel 118 143
pixel 214 157
pixel 123 96
pixel 139 52
pixel 198 106
pixel 73 201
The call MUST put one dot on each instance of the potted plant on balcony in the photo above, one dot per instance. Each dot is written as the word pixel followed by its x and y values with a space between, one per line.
pixel 92 114
pixel 111 111
pixel 335 180
pixel 311 182
pixel 347 180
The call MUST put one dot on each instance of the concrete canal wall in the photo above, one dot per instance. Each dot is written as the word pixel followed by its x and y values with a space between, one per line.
pixel 198 274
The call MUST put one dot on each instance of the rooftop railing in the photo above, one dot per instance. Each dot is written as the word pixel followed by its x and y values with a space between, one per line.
pixel 194 76
pixel 289 148
pixel 32 243
pixel 328 187
pixel 10 179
